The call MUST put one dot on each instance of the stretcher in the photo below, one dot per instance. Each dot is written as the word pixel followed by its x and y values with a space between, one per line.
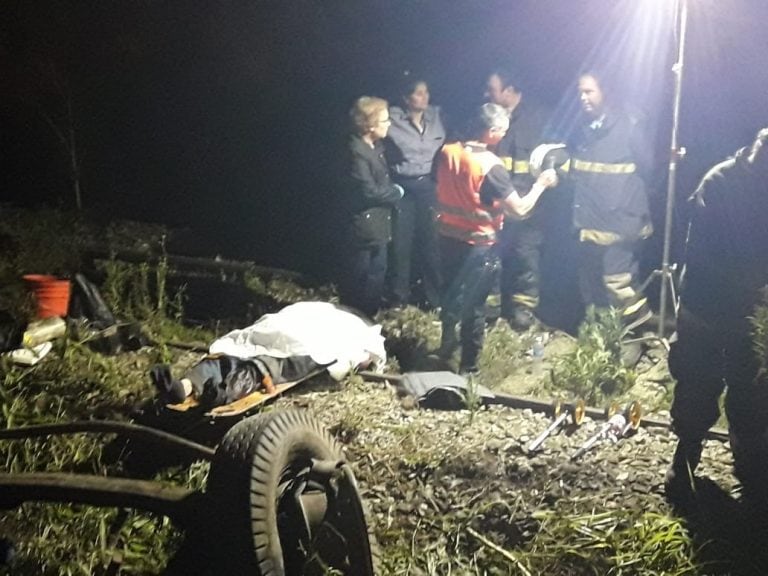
pixel 244 404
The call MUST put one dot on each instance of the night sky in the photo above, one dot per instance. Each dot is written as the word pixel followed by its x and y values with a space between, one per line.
pixel 228 118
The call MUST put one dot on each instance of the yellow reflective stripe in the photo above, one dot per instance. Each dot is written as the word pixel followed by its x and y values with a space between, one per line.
pixel 620 286
pixel 603 167
pixel 515 166
pixel 493 300
pixel 599 237
pixel 629 310
pixel 646 231
pixel 520 167
pixel 525 300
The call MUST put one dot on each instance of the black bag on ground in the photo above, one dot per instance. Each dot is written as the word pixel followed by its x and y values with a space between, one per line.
pixel 441 390
pixel 93 319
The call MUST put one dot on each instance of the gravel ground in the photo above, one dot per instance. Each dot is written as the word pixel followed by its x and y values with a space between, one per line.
pixel 446 487
pixel 433 477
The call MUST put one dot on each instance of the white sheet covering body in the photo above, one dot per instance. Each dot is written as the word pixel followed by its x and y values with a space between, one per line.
pixel 329 335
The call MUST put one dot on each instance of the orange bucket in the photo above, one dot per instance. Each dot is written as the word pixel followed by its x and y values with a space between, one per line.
pixel 51 294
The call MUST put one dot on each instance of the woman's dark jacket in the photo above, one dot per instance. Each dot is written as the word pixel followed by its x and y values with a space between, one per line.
pixel 371 195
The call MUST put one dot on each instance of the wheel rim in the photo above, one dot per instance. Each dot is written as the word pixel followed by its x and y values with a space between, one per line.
pixel 316 508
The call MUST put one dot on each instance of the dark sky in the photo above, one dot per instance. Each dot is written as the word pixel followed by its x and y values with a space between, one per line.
pixel 227 118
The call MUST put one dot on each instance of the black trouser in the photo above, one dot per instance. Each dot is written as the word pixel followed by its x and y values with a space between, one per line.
pixel 707 357
pixel 364 283
pixel 520 244
pixel 220 379
pixel 469 272
pixel 414 252
pixel 608 276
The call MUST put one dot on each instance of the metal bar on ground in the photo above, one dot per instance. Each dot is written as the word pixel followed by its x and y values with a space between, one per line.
pixel 171 501
pixel 111 427
pixel 538 405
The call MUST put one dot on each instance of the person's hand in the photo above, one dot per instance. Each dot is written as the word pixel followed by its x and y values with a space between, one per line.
pixel 539 154
pixel 548 178
pixel 399 189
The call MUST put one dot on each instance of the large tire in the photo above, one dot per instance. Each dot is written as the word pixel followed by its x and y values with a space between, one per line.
pixel 260 490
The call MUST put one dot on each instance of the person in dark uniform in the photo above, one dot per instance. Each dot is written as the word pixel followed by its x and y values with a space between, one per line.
pixel 610 160
pixel 414 138
pixel 726 273
pixel 474 192
pixel 521 241
pixel 371 196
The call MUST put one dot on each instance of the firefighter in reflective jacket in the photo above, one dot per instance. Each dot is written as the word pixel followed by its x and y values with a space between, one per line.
pixel 521 241
pixel 474 192
pixel 610 206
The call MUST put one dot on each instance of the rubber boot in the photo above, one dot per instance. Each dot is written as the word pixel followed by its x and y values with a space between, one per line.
pixel 449 342
pixel 679 484
pixel 468 364
pixel 522 319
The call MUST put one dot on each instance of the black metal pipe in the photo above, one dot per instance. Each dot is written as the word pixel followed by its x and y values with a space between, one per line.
pixel 175 502
pixel 538 405
pixel 183 445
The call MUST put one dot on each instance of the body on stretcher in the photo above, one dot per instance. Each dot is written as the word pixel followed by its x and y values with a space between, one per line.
pixel 244 404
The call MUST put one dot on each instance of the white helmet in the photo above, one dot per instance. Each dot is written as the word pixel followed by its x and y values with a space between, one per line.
pixel 547 156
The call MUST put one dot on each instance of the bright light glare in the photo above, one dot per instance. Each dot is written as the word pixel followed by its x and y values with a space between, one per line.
pixel 634 51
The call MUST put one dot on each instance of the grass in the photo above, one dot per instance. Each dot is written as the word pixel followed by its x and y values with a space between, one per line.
pixel 503 351
pixel 759 322
pixel 75 384
pixel 411 335
pixel 593 370
pixel 483 531
pixel 615 543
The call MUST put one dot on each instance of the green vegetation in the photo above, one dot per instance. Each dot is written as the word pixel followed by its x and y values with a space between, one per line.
pixel 75 383
pixel 609 543
pixel 472 397
pixel 502 353
pixel 760 334
pixel 411 335
pixel 593 370
pixel 492 538
pixel 485 531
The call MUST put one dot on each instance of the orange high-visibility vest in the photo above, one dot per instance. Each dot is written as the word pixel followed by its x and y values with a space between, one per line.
pixel 460 213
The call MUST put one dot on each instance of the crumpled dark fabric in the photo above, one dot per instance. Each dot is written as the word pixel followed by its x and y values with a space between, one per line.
pixel 440 390
pixel 171 391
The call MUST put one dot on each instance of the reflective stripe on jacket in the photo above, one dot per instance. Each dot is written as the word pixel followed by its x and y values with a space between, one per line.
pixel 607 168
pixel 577 165
pixel 516 166
pixel 461 213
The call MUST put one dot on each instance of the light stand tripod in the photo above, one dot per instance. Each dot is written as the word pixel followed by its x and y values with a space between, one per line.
pixel 666 273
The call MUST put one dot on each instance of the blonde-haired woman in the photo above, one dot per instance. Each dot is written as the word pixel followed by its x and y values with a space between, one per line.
pixel 371 195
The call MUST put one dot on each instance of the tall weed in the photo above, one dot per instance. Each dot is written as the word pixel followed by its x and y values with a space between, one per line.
pixel 593 370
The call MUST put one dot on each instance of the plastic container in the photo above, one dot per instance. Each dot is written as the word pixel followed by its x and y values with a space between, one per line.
pixel 537 356
pixel 31 356
pixel 51 294
pixel 43 331
pixel 537 350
